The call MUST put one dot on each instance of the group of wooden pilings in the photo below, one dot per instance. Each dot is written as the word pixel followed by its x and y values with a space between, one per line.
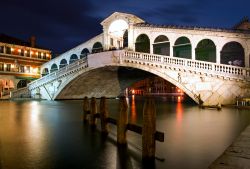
pixel 148 130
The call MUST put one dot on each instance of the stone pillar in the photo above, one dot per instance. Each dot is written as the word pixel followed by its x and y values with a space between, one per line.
pixel 93 110
pixel 193 51
pixel 131 38
pixel 104 115
pixel 85 108
pixel 148 129
pixel 122 122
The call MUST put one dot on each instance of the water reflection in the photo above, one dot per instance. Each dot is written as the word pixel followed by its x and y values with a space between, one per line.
pixel 133 114
pixel 48 134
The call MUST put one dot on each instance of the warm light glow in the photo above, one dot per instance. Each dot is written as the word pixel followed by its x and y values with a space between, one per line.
pixel 31 52
pixel 179 90
pixel 42 54
pixel 118 27
pixel 12 66
pixel 12 49
pixel 19 50
pixel 133 91
pixel 34 70
pixel 36 53
pixel 179 99
pixel 133 110
pixel 25 51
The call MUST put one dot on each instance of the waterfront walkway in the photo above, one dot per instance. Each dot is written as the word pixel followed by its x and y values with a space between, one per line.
pixel 236 156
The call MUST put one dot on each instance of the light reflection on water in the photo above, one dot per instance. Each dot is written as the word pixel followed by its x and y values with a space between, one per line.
pixel 50 134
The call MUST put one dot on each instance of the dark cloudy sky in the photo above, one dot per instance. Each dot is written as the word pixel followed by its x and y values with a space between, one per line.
pixel 60 25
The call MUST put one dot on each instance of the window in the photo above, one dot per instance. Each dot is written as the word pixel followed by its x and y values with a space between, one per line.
pixel 1 66
pixel 27 69
pixel 22 68
pixel 1 49
pixel 39 55
pixel 8 67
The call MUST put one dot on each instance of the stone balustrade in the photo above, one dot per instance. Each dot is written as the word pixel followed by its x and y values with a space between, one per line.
pixel 227 71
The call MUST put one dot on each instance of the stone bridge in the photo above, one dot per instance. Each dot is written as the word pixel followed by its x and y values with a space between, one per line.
pixel 97 76
pixel 209 64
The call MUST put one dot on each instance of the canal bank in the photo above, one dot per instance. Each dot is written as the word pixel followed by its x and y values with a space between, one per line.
pixel 237 155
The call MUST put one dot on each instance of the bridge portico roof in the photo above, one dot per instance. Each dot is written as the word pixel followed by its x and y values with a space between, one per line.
pixel 119 15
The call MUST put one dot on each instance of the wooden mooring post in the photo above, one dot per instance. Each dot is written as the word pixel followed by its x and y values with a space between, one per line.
pixel 122 122
pixel 93 111
pixel 104 115
pixel 148 130
pixel 85 108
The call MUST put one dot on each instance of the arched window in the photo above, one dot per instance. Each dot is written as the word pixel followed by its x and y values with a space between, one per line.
pixel 233 53
pixel 45 71
pixel 125 39
pixel 73 58
pixel 53 68
pixel 63 63
pixel 161 45
pixel 84 53
pixel 182 48
pixel 97 47
pixel 22 83
pixel 206 51
pixel 142 44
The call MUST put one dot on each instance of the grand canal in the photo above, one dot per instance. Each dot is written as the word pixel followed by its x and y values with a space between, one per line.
pixel 52 135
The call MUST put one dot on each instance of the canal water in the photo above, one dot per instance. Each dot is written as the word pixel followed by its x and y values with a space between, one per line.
pixel 51 135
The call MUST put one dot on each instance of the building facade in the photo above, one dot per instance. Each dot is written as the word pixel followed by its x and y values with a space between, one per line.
pixel 20 62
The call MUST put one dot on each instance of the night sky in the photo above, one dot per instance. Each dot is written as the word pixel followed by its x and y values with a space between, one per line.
pixel 61 25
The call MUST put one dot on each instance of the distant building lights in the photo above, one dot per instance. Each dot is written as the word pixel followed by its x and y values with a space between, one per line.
pixel 36 53
pixel 25 51
pixel 11 49
pixel 19 50
pixel 41 54
pixel 31 52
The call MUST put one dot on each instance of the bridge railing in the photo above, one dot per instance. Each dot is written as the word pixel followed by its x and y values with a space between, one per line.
pixel 190 65
pixel 62 71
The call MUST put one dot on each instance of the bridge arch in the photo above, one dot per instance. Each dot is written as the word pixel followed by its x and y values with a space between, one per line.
pixel 142 43
pixel 97 47
pixel 206 51
pixel 182 48
pixel 161 45
pixel 73 58
pixel 233 53
pixel 53 68
pixel 63 63
pixel 70 82
pixel 45 71
pixel 84 53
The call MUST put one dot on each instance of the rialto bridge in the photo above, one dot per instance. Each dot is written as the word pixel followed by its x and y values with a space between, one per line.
pixel 209 65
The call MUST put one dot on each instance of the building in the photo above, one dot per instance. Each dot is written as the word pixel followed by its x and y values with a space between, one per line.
pixel 20 62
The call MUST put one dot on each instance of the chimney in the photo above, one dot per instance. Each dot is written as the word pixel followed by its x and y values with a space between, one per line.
pixel 32 41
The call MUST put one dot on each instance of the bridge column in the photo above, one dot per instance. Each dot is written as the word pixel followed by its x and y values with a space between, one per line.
pixel 131 36
pixel 148 129
pixel 247 59
pixel 122 122
pixel 218 50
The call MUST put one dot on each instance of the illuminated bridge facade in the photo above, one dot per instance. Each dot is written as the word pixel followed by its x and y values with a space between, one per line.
pixel 209 65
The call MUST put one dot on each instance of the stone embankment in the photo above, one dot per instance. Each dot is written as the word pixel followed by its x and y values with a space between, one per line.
pixel 236 156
